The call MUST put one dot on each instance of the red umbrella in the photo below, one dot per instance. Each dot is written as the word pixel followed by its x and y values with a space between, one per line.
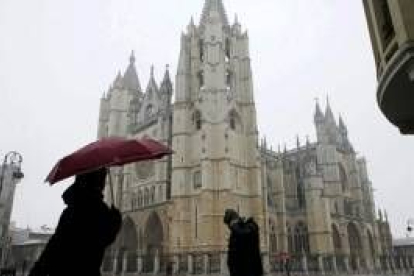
pixel 105 153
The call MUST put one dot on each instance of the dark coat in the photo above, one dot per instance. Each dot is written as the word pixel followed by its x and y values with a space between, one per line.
pixel 244 249
pixel 86 227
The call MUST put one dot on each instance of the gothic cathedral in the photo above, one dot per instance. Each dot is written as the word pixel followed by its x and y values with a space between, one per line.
pixel 314 203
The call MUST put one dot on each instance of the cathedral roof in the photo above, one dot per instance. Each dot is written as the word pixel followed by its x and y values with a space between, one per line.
pixel 214 5
pixel 130 79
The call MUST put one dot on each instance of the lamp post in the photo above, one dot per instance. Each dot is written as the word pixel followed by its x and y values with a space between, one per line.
pixel 12 161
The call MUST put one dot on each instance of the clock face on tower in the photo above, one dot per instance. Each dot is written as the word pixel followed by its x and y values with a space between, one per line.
pixel 144 170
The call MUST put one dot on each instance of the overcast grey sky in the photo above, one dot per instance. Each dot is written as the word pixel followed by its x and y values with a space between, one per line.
pixel 57 58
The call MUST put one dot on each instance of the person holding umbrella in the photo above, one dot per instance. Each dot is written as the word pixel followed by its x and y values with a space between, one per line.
pixel 87 225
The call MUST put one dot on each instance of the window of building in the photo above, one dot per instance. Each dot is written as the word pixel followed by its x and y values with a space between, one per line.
pixel 233 120
pixel 146 196
pixel 290 239
pixel 139 198
pixel 227 49
pixel 229 79
pixel 197 182
pixel 197 120
pixel 201 49
pixel 343 178
pixel 152 195
pixel 196 222
pixel 160 193
pixel 301 238
pixel 300 190
pixel 201 79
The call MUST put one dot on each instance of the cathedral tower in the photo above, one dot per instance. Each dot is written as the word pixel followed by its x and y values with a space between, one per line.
pixel 216 161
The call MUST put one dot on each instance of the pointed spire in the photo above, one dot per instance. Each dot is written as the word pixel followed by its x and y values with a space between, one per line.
pixel 132 57
pixel 131 80
pixel 118 83
pixel 319 117
pixel 236 20
pixel 342 126
pixel 214 6
pixel 307 141
pixel 166 85
pixel 191 25
pixel 386 215
pixel 152 85
pixel 328 112
pixel 278 149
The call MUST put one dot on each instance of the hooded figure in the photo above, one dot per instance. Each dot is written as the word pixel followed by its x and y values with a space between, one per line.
pixel 244 246
pixel 86 227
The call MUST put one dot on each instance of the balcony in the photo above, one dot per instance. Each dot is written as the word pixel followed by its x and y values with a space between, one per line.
pixel 395 93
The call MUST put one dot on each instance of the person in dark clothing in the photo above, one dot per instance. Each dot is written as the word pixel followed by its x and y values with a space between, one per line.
pixel 244 246
pixel 86 227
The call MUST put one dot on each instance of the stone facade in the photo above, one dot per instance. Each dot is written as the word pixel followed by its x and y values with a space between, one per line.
pixel 314 203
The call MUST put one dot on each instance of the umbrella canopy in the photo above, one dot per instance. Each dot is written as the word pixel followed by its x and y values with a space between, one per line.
pixel 105 153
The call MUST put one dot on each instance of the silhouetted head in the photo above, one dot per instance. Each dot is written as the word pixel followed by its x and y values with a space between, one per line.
pixel 94 179
pixel 229 216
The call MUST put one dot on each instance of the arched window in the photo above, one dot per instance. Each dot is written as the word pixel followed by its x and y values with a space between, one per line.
pixel 371 244
pixel 354 239
pixel 197 120
pixel 201 49
pixel 201 79
pixel 229 79
pixel 160 193
pixel 227 49
pixel 336 237
pixel 300 190
pixel 290 238
pixel 139 198
pixel 197 181
pixel 301 239
pixel 152 195
pixel 273 237
pixel 146 196
pixel 196 221
pixel 233 120
pixel 343 178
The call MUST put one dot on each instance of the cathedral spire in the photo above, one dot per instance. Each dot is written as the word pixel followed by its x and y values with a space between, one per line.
pixel 214 6
pixel 130 78
pixel 342 126
pixel 118 82
pixel 319 117
pixel 166 85
pixel 328 112
pixel 152 85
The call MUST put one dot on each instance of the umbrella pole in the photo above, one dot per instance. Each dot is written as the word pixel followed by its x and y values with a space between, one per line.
pixel 111 187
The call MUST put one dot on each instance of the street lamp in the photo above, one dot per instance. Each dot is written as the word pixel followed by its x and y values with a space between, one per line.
pixel 15 159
